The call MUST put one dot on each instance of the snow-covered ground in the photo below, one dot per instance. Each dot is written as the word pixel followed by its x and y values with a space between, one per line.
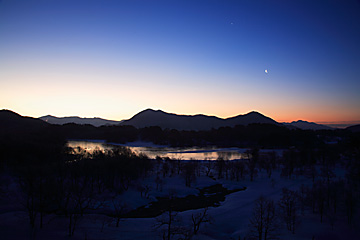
pixel 230 220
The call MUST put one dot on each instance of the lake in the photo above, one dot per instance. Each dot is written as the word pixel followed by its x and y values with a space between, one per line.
pixel 152 151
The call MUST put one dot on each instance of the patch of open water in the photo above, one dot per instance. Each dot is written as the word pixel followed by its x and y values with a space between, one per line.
pixel 152 151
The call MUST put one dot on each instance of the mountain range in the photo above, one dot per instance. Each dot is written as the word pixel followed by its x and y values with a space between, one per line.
pixel 97 122
pixel 307 125
pixel 150 117
pixel 17 130
pixel 165 120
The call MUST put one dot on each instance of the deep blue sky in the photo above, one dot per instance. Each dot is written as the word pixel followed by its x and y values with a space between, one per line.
pixel 114 58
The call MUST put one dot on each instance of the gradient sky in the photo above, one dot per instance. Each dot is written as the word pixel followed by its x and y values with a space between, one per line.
pixel 112 59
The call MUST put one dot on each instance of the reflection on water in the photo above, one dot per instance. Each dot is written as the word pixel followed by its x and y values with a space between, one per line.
pixel 173 153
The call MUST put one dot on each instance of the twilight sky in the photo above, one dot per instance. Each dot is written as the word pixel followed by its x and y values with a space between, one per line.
pixel 114 58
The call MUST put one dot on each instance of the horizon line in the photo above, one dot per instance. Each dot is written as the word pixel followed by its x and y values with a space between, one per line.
pixel 335 124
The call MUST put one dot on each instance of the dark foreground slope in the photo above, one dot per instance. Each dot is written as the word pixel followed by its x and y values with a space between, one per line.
pixel 11 121
pixel 27 139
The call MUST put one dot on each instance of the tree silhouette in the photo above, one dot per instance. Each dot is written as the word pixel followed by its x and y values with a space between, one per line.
pixel 264 223
pixel 289 205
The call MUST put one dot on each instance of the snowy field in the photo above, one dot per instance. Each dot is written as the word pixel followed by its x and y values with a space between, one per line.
pixel 229 220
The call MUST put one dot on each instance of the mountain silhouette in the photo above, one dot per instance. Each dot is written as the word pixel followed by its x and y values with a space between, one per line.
pixel 150 117
pixel 15 128
pixel 354 128
pixel 13 122
pixel 304 125
pixel 97 122
pixel 27 140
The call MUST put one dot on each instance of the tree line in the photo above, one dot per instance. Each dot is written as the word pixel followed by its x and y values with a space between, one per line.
pixel 260 135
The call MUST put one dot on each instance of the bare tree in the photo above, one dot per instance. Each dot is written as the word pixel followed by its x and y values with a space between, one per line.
pixel 240 169
pixel 167 222
pixel 165 168
pixel 220 167
pixel 36 189
pixel 189 174
pixel 144 191
pixel 28 185
pixel 209 165
pixel 320 198
pixel 198 219
pixel 170 223
pixel 264 223
pixel 80 199
pixel 119 210
pixel 179 165
pixel 289 205
pixel 268 162
pixel 350 205
pixel 253 157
